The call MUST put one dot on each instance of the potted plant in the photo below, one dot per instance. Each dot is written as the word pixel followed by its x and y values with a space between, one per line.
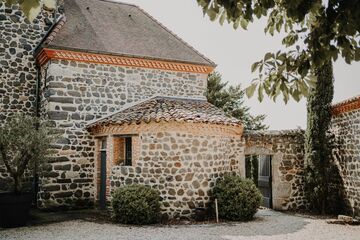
pixel 24 144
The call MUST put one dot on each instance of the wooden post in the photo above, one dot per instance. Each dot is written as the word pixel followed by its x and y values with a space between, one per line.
pixel 216 210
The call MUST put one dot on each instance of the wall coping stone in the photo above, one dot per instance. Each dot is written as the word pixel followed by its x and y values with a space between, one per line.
pixel 346 106
pixel 290 132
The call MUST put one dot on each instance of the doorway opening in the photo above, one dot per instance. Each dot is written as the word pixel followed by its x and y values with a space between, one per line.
pixel 258 168
pixel 102 174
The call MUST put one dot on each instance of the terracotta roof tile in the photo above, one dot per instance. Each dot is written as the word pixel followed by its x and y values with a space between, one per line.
pixel 347 105
pixel 168 109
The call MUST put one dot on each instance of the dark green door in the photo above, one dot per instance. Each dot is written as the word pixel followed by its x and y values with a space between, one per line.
pixel 102 192
pixel 102 197
pixel 258 168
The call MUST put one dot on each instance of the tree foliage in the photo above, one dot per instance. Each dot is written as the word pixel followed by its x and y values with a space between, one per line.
pixel 24 143
pixel 317 32
pixel 231 101
pixel 317 150
pixel 32 8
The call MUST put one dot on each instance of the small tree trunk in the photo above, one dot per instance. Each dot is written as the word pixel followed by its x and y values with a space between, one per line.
pixel 17 184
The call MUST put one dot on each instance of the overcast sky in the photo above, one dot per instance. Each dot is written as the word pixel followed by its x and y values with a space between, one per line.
pixel 235 50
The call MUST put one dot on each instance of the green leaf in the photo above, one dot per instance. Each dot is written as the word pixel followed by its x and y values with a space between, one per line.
pixel 212 14
pixel 236 24
pixel 357 54
pixel 31 9
pixel 250 90
pixel 244 23
pixel 49 4
pixel 261 93
pixel 303 88
pixel 254 66
pixel 268 56
pixel 222 18
pixel 296 94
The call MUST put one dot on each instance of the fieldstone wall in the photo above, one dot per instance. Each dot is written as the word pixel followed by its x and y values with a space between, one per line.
pixel 181 160
pixel 75 93
pixel 346 127
pixel 287 151
pixel 18 39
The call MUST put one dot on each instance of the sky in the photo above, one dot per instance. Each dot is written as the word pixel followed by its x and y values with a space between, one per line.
pixel 235 50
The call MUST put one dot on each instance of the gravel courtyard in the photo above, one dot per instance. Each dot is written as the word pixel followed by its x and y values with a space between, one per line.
pixel 268 225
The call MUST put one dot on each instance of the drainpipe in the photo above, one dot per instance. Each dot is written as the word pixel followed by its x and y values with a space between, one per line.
pixel 37 102
pixel 37 115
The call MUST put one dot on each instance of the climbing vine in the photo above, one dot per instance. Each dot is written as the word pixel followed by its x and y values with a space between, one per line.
pixel 317 148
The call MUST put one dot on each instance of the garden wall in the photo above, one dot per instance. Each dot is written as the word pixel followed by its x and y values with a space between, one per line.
pixel 346 127
pixel 287 151
pixel 75 93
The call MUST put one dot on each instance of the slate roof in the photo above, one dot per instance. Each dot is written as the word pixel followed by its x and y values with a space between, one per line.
pixel 168 109
pixel 109 27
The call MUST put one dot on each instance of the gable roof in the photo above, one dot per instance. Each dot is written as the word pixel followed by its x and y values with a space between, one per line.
pixel 109 27
pixel 168 109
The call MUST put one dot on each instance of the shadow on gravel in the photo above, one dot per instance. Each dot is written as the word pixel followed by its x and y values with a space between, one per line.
pixel 38 217
pixel 267 223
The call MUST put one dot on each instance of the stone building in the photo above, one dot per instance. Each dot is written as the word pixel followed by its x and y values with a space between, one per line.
pixel 346 127
pixel 128 99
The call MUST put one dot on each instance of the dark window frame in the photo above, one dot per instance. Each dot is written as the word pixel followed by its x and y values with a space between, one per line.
pixel 128 151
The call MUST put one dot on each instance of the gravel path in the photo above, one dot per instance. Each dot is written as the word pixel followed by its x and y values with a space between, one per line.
pixel 268 225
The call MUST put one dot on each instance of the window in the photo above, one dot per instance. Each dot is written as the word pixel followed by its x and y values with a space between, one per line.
pixel 128 151
pixel 123 151
pixel 103 144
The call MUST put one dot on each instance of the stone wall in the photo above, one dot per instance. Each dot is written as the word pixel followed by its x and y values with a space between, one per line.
pixel 75 93
pixel 181 160
pixel 346 127
pixel 18 38
pixel 287 151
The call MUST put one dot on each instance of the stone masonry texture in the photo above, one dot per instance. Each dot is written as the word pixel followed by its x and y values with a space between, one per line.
pixel 346 127
pixel 18 39
pixel 181 160
pixel 287 151
pixel 75 94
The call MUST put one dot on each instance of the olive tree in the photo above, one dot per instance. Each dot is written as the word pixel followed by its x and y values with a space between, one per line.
pixel 25 143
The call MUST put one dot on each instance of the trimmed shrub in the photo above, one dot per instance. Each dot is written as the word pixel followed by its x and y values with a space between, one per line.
pixel 136 204
pixel 238 199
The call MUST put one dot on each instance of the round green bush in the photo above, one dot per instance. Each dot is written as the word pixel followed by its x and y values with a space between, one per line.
pixel 238 199
pixel 136 204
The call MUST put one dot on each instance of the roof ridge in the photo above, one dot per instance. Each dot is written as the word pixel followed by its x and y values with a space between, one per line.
pixel 167 108
pixel 120 2
pixel 176 36
pixel 57 27
pixel 132 104
pixel 124 107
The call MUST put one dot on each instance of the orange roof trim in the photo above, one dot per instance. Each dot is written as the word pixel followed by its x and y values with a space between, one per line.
pixel 48 54
pixel 346 106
